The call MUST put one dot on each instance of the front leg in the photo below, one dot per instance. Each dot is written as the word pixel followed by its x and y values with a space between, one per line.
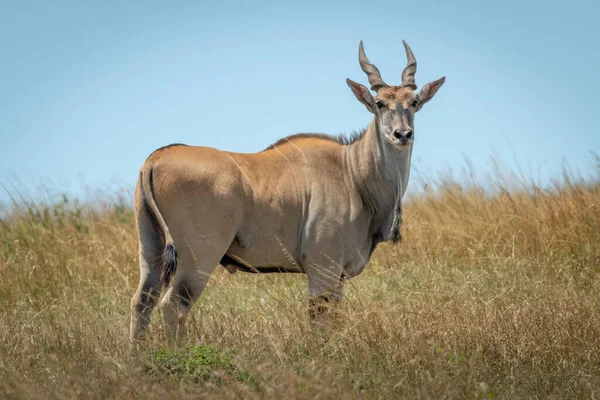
pixel 321 306
pixel 325 290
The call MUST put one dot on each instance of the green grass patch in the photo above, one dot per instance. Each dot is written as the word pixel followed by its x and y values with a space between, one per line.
pixel 198 364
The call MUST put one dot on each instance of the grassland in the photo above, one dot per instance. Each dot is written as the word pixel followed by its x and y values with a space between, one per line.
pixel 494 293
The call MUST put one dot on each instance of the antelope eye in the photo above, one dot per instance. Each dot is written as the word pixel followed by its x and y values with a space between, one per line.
pixel 380 104
pixel 414 104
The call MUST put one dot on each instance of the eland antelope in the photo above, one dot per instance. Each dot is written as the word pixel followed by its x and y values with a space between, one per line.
pixel 310 203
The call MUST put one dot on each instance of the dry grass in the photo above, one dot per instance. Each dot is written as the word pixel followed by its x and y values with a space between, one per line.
pixel 492 294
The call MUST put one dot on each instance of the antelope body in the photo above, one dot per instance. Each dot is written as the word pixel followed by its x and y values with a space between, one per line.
pixel 312 204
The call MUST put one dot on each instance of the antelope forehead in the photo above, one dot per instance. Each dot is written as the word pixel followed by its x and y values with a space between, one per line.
pixel 396 95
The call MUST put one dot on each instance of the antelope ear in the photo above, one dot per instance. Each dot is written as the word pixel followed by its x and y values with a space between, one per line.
pixel 363 95
pixel 428 91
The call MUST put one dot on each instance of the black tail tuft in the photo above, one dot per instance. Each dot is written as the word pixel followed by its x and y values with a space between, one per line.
pixel 169 263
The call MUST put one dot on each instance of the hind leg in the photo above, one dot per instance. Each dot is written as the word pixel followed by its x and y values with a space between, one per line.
pixel 149 287
pixel 189 291
pixel 204 214
pixel 193 272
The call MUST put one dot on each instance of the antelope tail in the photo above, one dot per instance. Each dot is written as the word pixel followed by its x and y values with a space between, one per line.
pixel 169 256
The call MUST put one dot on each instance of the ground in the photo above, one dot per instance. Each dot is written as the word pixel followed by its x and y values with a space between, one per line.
pixel 492 294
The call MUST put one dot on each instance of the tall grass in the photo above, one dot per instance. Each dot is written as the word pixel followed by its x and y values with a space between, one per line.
pixel 494 293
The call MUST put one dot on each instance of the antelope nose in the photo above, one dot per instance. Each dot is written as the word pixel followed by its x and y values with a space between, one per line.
pixel 403 135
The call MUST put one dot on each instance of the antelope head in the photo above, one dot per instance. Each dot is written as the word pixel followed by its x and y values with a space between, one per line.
pixel 394 107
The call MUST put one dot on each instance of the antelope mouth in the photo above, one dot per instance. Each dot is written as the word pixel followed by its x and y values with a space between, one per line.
pixel 401 143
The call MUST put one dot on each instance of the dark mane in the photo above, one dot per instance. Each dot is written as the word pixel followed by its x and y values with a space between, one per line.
pixel 341 138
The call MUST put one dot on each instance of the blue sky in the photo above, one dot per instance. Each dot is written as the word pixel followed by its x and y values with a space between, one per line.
pixel 89 89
